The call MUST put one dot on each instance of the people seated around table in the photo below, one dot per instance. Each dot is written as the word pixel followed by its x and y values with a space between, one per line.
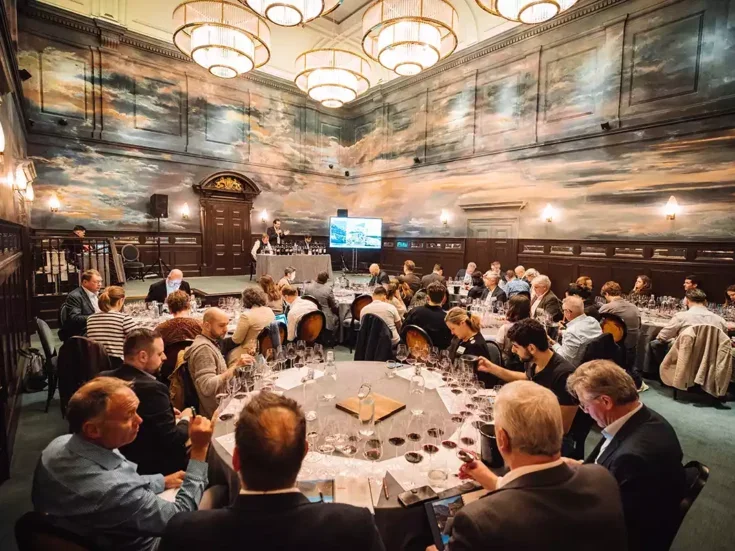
pixel 730 296
pixel 160 447
pixel 297 307
pixel 585 281
pixel 80 303
pixel 692 282
pixel 270 512
pixel 84 483
pixel 542 503
pixel 520 272
pixel 639 448
pixel 550 370
pixel 529 276
pixel 323 291
pixel 468 340
pixel 492 289
pixel 643 287
pixel 697 313
pixel 478 286
pixel 590 307
pixel 519 308
pixel 377 276
pixel 496 269
pixel 255 317
pixel 465 274
pixel 515 285
pixel 394 298
pixel 579 330
pixel 110 326
pixel 273 293
pixel 430 317
pixel 182 327
pixel 629 313
pixel 437 275
pixel 289 276
pixel 386 311
pixel 408 277
pixel 261 245
pixel 543 299
pixel 207 367
pixel 161 289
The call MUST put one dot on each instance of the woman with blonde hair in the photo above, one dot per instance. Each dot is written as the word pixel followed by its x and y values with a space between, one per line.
pixel 274 298
pixel 110 327
pixel 585 281
pixel 395 299
pixel 468 340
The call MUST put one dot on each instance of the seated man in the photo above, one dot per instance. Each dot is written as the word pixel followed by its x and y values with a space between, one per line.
pixel 639 448
pixel 516 285
pixel 492 288
pixel 270 512
pixel 160 446
pixel 544 298
pixel 81 303
pixel 542 503
pixel 580 329
pixel 289 276
pixel 207 365
pixel 408 277
pixel 628 312
pixel 436 275
pixel 465 274
pixel 82 482
pixel 549 369
pixel 297 307
pixel 161 289
pixel 386 311
pixel 261 246
pixel 520 272
pixel 430 317
pixel 377 276
pixel 324 293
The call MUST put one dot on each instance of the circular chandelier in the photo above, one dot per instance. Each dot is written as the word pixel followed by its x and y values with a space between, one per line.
pixel 225 38
pixel 332 77
pixel 289 13
pixel 409 36
pixel 526 11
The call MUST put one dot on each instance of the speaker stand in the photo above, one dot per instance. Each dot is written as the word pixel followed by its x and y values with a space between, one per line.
pixel 158 266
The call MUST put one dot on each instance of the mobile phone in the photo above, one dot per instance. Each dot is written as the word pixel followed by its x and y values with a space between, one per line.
pixel 465 456
pixel 416 496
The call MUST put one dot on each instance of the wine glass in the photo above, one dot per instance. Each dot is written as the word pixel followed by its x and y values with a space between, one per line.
pixel 280 357
pixel 301 351
pixel 312 436
pixel 437 472
pixel 402 353
pixel 291 353
pixel 397 434
pixel 373 449
pixel 414 434
pixel 433 358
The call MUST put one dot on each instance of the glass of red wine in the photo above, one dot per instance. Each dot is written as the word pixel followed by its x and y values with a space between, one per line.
pixel 414 436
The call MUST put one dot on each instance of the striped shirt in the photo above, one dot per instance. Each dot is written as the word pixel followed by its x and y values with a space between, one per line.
pixel 110 329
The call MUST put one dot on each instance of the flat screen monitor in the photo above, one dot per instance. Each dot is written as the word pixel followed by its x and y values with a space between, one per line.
pixel 355 233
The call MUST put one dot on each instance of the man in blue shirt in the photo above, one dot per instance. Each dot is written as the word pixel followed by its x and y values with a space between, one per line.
pixel 515 286
pixel 85 485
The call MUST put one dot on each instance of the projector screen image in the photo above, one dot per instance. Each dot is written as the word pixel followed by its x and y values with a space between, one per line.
pixel 355 233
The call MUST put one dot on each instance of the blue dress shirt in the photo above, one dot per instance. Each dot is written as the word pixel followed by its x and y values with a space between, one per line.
pixel 515 286
pixel 97 493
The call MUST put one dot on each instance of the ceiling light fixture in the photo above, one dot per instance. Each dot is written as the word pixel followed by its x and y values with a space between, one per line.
pixel 526 11
pixel 289 13
pixel 225 38
pixel 332 77
pixel 409 36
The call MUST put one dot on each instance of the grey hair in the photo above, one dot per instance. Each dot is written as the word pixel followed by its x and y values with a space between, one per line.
pixel 531 416
pixel 575 304
pixel 603 378
pixel 541 280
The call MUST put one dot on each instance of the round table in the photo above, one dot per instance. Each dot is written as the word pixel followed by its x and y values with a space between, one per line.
pixel 400 528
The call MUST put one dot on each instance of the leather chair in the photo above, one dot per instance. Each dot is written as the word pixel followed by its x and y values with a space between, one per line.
pixel 264 339
pixel 602 348
pixel 415 337
pixel 35 532
pixel 354 322
pixel 310 327
pixel 50 359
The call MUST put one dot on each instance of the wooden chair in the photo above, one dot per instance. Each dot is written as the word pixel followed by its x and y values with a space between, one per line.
pixel 35 532
pixel 354 322
pixel 51 357
pixel 310 327
pixel 264 339
pixel 415 337
pixel 614 325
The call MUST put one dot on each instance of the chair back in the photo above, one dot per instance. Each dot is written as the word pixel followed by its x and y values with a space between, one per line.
pixel 46 337
pixel 601 348
pixel 172 353
pixel 614 325
pixel 415 337
pixel 310 326
pixel 313 299
pixel 494 354
pixel 374 341
pixel 265 338
pixel 80 360
pixel 130 253
pixel 357 305
pixel 697 475
pixel 35 532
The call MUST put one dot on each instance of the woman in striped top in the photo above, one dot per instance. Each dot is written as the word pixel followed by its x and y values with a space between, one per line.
pixel 110 327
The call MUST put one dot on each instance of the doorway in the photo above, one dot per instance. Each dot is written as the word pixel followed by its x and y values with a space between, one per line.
pixel 492 239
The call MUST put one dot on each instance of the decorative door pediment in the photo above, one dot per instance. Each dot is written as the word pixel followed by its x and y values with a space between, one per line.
pixel 228 185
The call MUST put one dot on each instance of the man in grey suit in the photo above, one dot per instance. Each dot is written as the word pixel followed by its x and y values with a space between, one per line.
pixel 543 503
pixel 323 292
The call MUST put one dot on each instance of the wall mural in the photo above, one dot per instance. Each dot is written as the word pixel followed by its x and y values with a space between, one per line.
pixel 521 124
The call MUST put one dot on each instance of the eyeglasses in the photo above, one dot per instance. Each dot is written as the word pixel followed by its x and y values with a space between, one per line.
pixel 584 407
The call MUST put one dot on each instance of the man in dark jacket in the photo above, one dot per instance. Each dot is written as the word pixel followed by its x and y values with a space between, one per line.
pixel 492 288
pixel 161 289
pixel 79 305
pixel 160 447
pixel 430 317
pixel 409 277
pixel 377 276
pixel 436 275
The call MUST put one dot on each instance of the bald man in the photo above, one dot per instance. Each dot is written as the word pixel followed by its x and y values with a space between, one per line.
pixel 377 276
pixel 207 366
pixel 161 289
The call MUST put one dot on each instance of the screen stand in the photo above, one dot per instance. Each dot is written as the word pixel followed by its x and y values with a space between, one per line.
pixel 354 261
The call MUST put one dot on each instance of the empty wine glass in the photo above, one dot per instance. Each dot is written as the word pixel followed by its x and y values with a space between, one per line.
pixel 416 390
pixel 402 353
pixel 291 353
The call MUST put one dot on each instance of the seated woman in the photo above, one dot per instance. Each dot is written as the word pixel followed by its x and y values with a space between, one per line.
pixel 395 299
pixel 274 298
pixel 519 308
pixel 586 282
pixel 478 286
pixel 256 317
pixel 643 287
pixel 468 340
pixel 182 327
pixel 110 327
pixel 730 296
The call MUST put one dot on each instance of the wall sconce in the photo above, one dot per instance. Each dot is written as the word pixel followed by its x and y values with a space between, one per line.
pixel 444 218
pixel 30 195
pixel 2 140
pixel 185 213
pixel 672 208
pixel 53 203
pixel 264 216
pixel 25 173
pixel 548 213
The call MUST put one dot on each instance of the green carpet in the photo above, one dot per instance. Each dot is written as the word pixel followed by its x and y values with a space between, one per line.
pixel 706 434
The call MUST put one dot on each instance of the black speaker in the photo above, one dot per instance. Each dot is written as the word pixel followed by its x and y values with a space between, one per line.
pixel 342 213
pixel 159 205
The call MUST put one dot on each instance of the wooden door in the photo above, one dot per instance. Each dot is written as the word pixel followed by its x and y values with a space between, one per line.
pixel 493 240
pixel 226 237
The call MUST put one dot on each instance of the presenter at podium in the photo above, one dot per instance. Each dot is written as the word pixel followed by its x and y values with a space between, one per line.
pixel 275 233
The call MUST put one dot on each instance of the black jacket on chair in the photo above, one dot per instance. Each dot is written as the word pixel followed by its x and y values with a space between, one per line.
pixel 157 291
pixel 283 522
pixel 74 313
pixel 80 360
pixel 374 341
pixel 160 447
pixel 645 458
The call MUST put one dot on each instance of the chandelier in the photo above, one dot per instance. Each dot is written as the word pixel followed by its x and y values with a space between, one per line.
pixel 526 11
pixel 225 38
pixel 409 36
pixel 289 13
pixel 332 77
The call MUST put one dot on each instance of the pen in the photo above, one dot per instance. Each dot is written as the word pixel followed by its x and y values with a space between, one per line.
pixel 385 490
